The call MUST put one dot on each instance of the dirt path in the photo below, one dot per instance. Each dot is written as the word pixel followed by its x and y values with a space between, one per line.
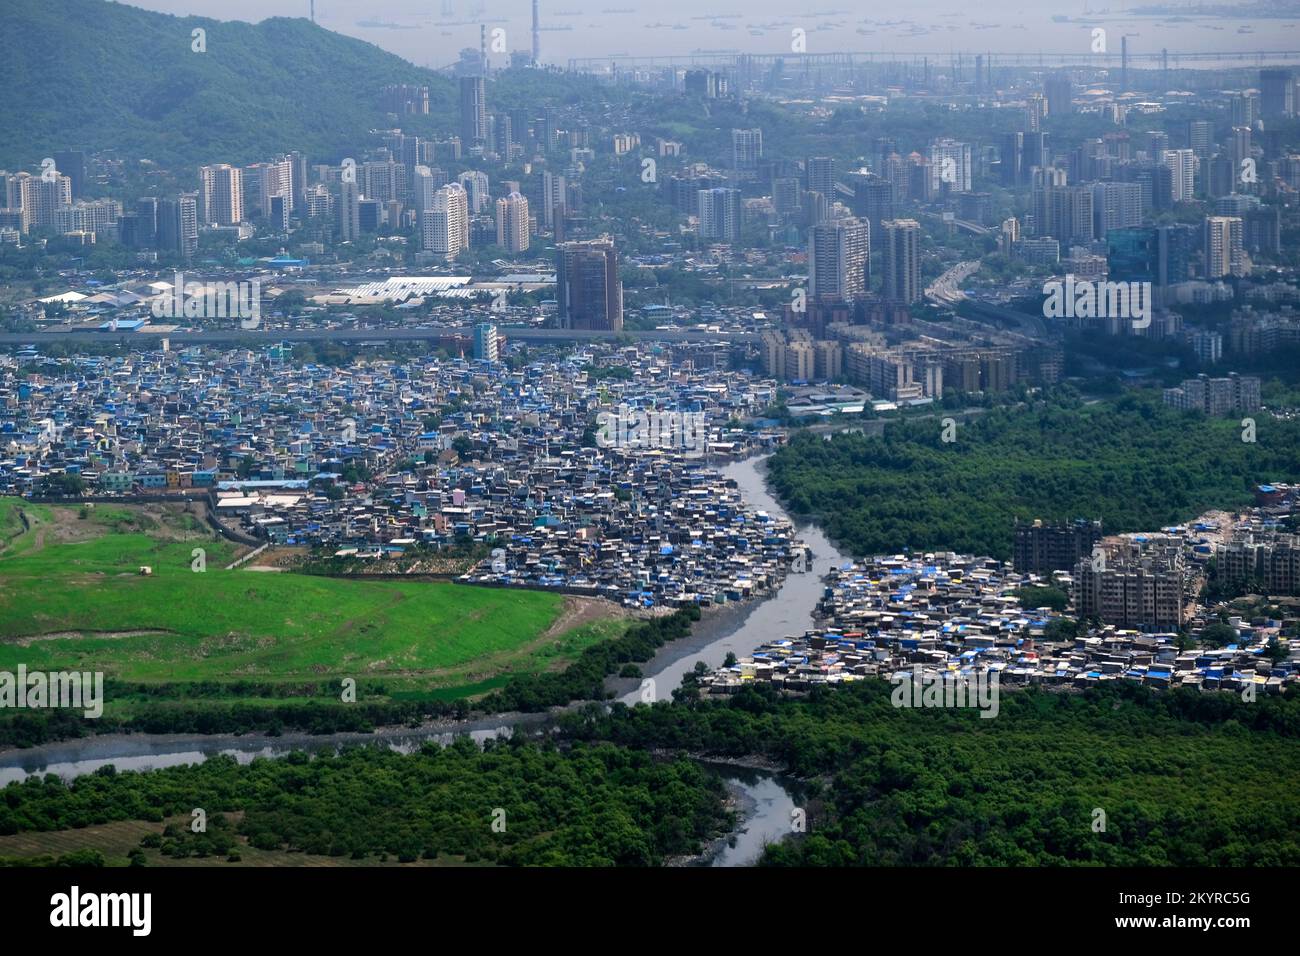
pixel 28 640
pixel 579 611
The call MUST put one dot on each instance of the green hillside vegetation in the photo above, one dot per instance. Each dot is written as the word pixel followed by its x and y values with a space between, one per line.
pixel 115 77
pixel 1134 463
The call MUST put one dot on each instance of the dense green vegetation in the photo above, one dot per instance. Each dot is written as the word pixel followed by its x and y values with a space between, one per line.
pixel 584 679
pixel 1035 597
pixel 1184 778
pixel 1133 463
pixel 583 806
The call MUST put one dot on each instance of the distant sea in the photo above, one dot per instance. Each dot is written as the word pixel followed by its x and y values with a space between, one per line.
pixel 432 32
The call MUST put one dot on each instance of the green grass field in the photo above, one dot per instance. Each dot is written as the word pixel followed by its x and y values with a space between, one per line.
pixel 71 596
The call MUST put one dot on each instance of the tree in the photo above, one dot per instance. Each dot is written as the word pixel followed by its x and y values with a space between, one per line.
pixel 1217 635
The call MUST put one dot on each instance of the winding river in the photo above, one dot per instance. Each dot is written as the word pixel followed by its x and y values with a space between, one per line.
pixel 766 800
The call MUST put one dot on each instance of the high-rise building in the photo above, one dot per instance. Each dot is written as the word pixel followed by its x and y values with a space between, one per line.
pixel 1043 547
pixel 1266 562
pixel 1182 166
pixel 719 212
pixel 705 83
pixel 1223 246
pixel 380 180
pixel 403 99
pixel 178 225
pixel 1263 230
pixel 264 181
pixel 1156 180
pixel 280 212
pixel 1058 91
pixel 1011 155
pixel 902 261
pixel 444 227
pixel 1276 93
pixel 873 199
pixel 298 163
pixel 486 347
pixel 146 225
pixel 1008 236
pixel 349 209
pixel 1244 108
pixel 1035 110
pixel 787 195
pixel 839 256
pixel 512 223
pixel 72 163
pixel 553 197
pixel 34 200
pixel 1064 212
pixel 821 174
pixel 746 151
pixel 476 189
pixel 1161 255
pixel 423 187
pixel 1200 136
pixel 1239 148
pixel 950 166
pixel 473 111
pixel 588 288
pixel 1133 585
pixel 320 204
pixel 221 195
pixel 1115 206
pixel 16 197
pixel 503 137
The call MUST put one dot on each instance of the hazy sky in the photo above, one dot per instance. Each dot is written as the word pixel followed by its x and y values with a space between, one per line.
pixel 432 32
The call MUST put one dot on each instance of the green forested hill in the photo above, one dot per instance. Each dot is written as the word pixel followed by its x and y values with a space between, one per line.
pixel 110 76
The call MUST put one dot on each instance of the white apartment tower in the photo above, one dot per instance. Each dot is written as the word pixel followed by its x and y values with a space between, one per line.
pixel 221 195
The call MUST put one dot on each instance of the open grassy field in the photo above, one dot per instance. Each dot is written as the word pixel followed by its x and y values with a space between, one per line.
pixel 72 596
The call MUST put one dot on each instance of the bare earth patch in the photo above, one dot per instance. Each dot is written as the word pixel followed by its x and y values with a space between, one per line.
pixel 69 635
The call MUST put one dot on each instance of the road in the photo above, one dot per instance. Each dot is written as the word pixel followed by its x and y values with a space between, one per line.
pixel 268 337
pixel 946 290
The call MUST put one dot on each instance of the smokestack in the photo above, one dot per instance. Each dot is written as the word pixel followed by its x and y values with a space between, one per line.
pixel 482 48
pixel 313 11
pixel 537 44
pixel 1123 63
